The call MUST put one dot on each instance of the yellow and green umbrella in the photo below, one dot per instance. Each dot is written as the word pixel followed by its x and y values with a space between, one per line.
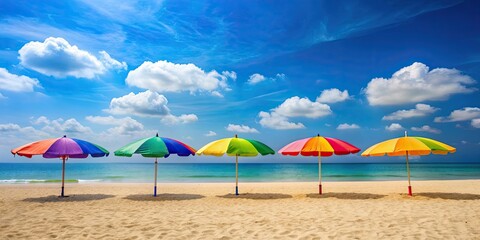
pixel 235 147
pixel 405 146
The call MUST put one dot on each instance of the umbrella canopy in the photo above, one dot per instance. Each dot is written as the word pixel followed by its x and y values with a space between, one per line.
pixel 63 148
pixel 155 147
pixel 321 147
pixel 235 147
pixel 405 146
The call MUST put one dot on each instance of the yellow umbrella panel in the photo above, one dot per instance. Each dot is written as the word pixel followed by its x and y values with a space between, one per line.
pixel 406 146
pixel 235 147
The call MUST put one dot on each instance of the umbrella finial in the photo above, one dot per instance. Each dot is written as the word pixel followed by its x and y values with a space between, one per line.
pixel 157 135
pixel 318 134
pixel 64 136
pixel 236 136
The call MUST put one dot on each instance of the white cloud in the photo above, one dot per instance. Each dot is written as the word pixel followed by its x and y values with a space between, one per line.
pixel 467 113
pixel 302 107
pixel 56 57
pixel 217 94
pixel 211 134
pixel 2 97
pixel 333 95
pixel 426 128
pixel 14 134
pixel 278 118
pixel 230 74
pixel 60 126
pixel 184 118
pixel 280 76
pixel 476 123
pixel 123 126
pixel 345 126
pixel 274 120
pixel 394 127
pixel 415 83
pixel 147 104
pixel 241 128
pixel 9 127
pixel 111 63
pixel 464 142
pixel 164 76
pixel 256 78
pixel 419 111
pixel 16 83
pixel 41 120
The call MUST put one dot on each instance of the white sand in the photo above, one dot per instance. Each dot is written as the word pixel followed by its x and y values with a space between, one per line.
pixel 362 210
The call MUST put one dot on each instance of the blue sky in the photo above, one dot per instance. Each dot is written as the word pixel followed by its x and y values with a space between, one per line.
pixel 273 71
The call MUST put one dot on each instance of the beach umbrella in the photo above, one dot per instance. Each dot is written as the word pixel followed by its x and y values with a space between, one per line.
pixel 405 146
pixel 320 147
pixel 63 148
pixel 238 147
pixel 155 147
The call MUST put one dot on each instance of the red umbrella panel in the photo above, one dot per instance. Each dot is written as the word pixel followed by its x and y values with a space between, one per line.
pixel 321 147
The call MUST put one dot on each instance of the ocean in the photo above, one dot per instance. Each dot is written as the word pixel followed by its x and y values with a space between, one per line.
pixel 21 173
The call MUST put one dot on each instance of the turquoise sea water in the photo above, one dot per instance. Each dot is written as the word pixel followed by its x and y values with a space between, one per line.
pixel 225 172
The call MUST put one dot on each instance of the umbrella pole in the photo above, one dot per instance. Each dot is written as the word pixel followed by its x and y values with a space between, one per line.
pixel 236 174
pixel 155 186
pixel 319 174
pixel 408 172
pixel 63 177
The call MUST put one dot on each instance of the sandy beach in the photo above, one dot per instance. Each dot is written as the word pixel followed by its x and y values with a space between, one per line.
pixel 358 210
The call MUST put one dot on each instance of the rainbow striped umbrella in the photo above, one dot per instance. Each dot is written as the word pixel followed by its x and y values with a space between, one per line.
pixel 63 148
pixel 155 147
pixel 405 146
pixel 235 147
pixel 321 147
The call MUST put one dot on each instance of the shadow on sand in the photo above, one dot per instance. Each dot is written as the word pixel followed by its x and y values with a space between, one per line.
pixel 71 198
pixel 449 196
pixel 257 196
pixel 164 197
pixel 352 196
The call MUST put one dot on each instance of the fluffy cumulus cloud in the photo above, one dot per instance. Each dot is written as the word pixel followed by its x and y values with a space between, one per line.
pixel 416 83
pixel 56 57
pixel 332 96
pixel 60 126
pixel 164 76
pixel 394 127
pixel 122 126
pixel 276 121
pixel 278 118
pixel 346 126
pixel 302 107
pixel 241 129
pixel 465 114
pixel 184 118
pixel 256 78
pixel 420 110
pixel 16 83
pixel 426 128
pixel 211 134
pixel 14 134
pixel 147 104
